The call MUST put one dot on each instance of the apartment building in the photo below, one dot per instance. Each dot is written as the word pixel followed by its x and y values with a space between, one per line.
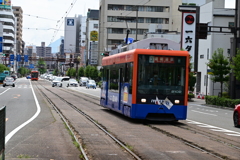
pixel 117 17
pixel 18 13
pixel 7 40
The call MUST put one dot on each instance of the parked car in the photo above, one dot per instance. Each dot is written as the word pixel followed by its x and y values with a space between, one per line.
pixel 8 81
pixel 236 116
pixel 64 82
pixel 91 84
pixel 83 81
pixel 72 83
pixel 56 81
pixel 14 77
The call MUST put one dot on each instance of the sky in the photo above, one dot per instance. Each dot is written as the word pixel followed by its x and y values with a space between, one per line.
pixel 43 20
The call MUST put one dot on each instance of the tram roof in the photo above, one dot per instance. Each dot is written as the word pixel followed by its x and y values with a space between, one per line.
pixel 131 55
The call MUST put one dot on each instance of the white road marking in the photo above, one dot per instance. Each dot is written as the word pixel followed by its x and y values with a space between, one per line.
pixel 204 113
pixel 9 136
pixel 5 91
pixel 214 128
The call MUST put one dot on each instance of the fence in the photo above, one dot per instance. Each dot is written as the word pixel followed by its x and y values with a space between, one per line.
pixel 2 131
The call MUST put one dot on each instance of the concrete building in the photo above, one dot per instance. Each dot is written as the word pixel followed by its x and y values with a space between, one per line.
pixel 43 51
pixel 92 23
pixel 214 14
pixel 7 41
pixel 138 14
pixel 74 40
pixel 18 12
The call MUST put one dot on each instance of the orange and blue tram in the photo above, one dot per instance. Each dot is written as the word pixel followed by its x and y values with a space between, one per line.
pixel 147 84
pixel 34 75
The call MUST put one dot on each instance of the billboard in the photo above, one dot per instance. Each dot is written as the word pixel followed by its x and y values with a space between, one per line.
pixel 5 4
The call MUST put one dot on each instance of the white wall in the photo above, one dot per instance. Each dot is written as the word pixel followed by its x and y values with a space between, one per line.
pixel 70 32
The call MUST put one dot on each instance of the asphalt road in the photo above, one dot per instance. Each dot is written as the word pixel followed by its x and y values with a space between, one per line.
pixel 32 127
pixel 220 119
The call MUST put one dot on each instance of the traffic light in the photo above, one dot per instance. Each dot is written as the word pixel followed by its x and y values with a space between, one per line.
pixel 202 30
pixel 105 54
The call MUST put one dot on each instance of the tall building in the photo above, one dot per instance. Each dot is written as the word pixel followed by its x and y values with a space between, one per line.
pixel 92 24
pixel 116 18
pixel 7 41
pixel 44 52
pixel 18 12
pixel 73 39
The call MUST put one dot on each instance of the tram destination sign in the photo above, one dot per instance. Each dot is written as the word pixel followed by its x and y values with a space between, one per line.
pixel 158 59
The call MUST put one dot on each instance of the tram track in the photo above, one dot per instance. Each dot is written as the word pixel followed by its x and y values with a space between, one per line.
pixel 75 133
pixel 95 101
pixel 189 143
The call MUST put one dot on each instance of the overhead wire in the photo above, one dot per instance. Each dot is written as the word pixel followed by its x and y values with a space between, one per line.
pixel 62 19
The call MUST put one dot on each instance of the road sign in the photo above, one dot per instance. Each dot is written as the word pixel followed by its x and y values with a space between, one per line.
pixel 1 44
pixel 11 57
pixel 130 40
pixel 25 58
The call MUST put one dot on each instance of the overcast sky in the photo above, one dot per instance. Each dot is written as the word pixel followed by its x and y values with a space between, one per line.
pixel 41 18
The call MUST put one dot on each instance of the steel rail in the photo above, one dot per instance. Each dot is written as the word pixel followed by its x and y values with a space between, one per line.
pixel 94 122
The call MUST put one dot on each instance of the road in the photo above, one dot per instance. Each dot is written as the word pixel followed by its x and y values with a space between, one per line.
pixel 28 117
pixel 198 113
pixel 32 126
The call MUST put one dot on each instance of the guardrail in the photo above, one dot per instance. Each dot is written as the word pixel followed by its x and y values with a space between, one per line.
pixel 2 132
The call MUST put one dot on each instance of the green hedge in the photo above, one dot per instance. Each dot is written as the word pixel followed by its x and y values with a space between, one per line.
pixel 190 96
pixel 220 101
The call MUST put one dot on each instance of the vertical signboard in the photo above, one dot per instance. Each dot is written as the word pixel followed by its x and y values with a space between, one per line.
pixel 189 33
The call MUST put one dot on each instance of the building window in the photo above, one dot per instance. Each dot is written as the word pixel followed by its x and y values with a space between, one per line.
pixel 115 30
pixel 114 19
pixel 95 25
pixel 154 9
pixel 115 7
pixel 154 20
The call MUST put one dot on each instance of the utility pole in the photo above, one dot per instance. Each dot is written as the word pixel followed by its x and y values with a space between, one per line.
pixel 233 52
pixel 136 9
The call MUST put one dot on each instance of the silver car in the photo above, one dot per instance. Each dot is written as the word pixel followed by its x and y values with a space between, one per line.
pixel 72 83
pixel 8 81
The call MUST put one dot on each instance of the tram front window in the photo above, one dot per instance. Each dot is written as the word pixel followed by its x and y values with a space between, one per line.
pixel 161 75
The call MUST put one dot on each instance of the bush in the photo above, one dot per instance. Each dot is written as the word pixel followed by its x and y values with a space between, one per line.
pixel 222 101
pixel 190 96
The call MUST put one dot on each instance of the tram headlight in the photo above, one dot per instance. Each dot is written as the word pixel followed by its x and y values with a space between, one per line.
pixel 176 101
pixel 143 100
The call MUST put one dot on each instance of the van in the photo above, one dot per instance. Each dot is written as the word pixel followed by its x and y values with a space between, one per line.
pixel 83 81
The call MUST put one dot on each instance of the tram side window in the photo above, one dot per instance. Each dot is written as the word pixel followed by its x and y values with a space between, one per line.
pixel 113 79
pixel 128 75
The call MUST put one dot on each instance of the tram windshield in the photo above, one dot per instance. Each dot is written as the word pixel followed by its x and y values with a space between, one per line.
pixel 161 75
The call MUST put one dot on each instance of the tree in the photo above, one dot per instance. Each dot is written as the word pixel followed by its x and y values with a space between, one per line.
pixel 93 72
pixel 87 71
pixel 23 71
pixel 3 68
pixel 220 68
pixel 192 78
pixel 71 72
pixel 55 72
pixel 81 72
pixel 235 66
pixel 42 66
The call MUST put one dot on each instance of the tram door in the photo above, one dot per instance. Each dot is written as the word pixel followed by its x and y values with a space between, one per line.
pixel 120 83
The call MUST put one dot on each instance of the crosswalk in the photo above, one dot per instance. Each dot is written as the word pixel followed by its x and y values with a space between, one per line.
pixel 17 86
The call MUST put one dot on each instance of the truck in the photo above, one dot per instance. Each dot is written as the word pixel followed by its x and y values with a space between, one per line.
pixel 4 74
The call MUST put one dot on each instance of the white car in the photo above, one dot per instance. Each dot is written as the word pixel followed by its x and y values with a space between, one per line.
pixel 56 81
pixel 8 81
pixel 72 83
pixel 64 82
